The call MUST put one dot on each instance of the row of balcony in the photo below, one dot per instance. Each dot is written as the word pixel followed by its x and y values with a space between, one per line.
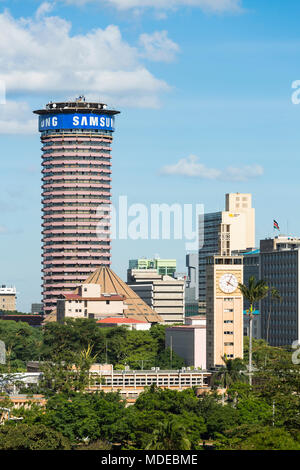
pixel 67 163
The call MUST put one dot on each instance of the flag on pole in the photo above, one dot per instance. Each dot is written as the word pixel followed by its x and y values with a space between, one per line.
pixel 275 225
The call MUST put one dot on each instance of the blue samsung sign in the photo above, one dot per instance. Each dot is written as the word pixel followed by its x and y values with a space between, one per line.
pixel 76 121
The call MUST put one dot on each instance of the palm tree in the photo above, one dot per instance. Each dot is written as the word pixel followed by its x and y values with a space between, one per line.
pixel 169 435
pixel 274 294
pixel 231 372
pixel 254 292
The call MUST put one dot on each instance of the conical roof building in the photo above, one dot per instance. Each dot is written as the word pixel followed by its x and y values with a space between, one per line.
pixel 111 284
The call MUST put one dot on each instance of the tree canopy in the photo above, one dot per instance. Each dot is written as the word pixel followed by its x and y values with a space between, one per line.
pixel 262 416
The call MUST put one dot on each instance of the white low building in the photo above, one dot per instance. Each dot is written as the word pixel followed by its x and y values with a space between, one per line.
pixel 90 303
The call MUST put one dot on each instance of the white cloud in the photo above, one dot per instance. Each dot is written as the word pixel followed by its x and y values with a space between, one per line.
pixel 215 6
pixel 44 8
pixel 16 118
pixel 42 56
pixel 192 167
pixel 158 47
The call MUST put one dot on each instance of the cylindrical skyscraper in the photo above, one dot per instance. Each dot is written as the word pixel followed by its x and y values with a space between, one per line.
pixel 76 175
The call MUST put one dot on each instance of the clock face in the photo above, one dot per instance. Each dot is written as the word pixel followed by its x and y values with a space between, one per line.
pixel 228 283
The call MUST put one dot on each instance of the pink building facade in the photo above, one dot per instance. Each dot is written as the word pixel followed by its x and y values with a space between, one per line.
pixel 76 193
pixel 189 342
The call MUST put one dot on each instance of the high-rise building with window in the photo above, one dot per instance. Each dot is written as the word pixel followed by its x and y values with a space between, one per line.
pixel 250 268
pixel 163 266
pixel 280 269
pixel 223 232
pixel 76 192
pixel 162 293
pixel 192 285
pixel 224 303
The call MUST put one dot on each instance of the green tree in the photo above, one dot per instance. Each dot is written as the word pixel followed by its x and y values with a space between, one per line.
pixel 169 435
pixel 168 359
pixel 249 437
pixel 231 372
pixel 92 416
pixel 73 336
pixel 220 419
pixel 22 343
pixel 217 418
pixel 140 349
pixel 279 386
pixel 116 339
pixel 254 292
pixel 22 436
pixel 158 332
pixel 68 373
pixel 156 405
pixel 270 438
pixel 136 426
pixel 166 400
pixel 263 355
pixel 253 410
pixel 95 445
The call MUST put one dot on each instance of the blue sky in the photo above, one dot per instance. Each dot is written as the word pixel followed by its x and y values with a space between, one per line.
pixel 208 78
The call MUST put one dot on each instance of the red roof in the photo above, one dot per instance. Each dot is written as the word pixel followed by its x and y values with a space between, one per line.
pixel 120 320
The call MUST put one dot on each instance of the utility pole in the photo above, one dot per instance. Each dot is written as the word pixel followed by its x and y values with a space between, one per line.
pixel 250 347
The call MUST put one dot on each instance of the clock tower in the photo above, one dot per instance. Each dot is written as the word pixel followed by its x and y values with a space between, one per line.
pixel 224 309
